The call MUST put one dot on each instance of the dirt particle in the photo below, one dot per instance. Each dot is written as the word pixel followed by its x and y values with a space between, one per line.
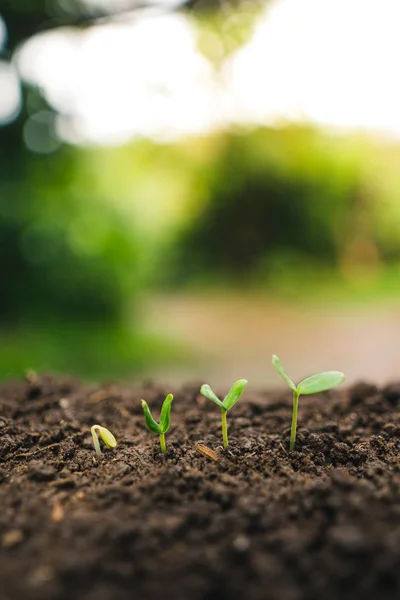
pixel 12 538
pixel 41 576
pixel 64 483
pixel 241 543
pixel 64 403
pixel 99 396
pixel 57 513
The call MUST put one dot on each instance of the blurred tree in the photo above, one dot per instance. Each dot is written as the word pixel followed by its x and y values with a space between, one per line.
pixel 276 197
pixel 65 252
pixel 25 18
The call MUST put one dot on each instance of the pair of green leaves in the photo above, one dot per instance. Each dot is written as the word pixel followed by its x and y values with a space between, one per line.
pixel 226 404
pixel 165 416
pixel 230 399
pixel 311 385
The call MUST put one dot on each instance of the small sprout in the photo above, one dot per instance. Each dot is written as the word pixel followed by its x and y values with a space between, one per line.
pixel 165 420
pixel 311 385
pixel 230 400
pixel 32 377
pixel 106 436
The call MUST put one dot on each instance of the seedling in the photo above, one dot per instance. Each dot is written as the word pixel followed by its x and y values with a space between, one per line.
pixel 165 420
pixel 230 400
pixel 106 436
pixel 311 385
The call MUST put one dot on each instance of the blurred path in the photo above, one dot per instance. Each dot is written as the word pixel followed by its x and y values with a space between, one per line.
pixel 234 337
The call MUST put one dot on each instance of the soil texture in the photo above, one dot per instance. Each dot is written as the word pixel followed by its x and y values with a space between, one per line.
pixel 257 523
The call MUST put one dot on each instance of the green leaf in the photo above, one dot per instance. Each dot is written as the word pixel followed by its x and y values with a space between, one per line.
pixel 107 437
pixel 320 382
pixel 150 422
pixel 234 393
pixel 206 391
pixel 278 366
pixel 165 417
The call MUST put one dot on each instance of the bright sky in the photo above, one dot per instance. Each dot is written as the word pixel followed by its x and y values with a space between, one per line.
pixel 332 62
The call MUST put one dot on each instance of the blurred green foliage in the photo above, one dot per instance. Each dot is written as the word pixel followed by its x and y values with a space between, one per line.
pixel 274 197
pixel 68 252
pixel 83 232
pixel 269 207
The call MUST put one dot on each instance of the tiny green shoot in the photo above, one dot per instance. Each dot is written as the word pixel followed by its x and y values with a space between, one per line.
pixel 311 385
pixel 106 436
pixel 230 400
pixel 165 420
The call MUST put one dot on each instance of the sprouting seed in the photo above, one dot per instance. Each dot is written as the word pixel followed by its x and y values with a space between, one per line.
pixel 165 420
pixel 311 385
pixel 230 400
pixel 106 436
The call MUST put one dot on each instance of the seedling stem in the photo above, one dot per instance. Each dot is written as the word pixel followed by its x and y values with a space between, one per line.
pixel 162 443
pixel 293 430
pixel 224 427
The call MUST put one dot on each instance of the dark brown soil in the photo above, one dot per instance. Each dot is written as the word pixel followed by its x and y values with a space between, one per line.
pixel 260 523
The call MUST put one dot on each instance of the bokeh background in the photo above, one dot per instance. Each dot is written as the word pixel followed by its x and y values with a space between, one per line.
pixel 189 187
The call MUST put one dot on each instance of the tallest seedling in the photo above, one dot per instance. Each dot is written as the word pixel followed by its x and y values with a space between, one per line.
pixel 312 385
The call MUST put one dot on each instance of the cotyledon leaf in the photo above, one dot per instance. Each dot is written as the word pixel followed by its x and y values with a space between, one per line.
pixel 165 417
pixel 279 367
pixel 320 382
pixel 107 437
pixel 206 391
pixel 150 422
pixel 234 393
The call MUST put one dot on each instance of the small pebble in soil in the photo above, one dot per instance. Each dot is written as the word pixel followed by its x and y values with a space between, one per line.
pixel 41 576
pixel 241 543
pixel 12 538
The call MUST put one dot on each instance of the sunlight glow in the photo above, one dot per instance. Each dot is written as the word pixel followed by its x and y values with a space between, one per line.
pixel 329 62
pixel 118 83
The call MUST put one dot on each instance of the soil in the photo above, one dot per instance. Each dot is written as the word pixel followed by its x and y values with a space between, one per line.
pixel 258 523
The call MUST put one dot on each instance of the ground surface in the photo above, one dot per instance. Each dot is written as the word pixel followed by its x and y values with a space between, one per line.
pixel 257 524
